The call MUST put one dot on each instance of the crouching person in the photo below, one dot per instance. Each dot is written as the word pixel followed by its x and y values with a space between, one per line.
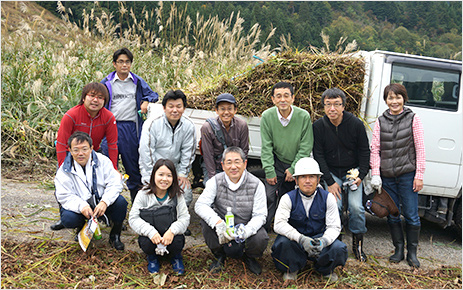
pixel 307 223
pixel 88 185
pixel 160 216
pixel 244 193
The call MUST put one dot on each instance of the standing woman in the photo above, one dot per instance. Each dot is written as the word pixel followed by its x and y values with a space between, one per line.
pixel 160 216
pixel 398 162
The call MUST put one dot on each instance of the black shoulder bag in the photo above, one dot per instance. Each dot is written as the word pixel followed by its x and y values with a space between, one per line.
pixel 160 217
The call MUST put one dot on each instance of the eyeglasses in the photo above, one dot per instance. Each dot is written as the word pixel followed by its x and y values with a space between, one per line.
pixel 127 62
pixel 336 105
pixel 77 150
pixel 226 109
pixel 230 162
pixel 92 96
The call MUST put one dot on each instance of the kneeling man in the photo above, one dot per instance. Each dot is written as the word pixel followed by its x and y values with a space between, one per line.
pixel 88 185
pixel 245 195
pixel 307 223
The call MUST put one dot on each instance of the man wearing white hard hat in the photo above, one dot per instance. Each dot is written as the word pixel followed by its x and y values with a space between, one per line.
pixel 307 223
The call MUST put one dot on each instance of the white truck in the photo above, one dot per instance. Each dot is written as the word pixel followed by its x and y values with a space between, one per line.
pixel 435 94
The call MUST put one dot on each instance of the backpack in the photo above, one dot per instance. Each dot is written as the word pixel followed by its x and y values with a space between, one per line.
pixel 218 134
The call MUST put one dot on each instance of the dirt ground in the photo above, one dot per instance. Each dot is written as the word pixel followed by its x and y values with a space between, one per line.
pixel 29 208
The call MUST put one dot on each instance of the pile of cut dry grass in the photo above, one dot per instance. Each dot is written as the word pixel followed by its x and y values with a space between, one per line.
pixel 310 73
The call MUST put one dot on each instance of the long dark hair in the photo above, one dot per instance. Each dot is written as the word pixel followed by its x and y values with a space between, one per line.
pixel 174 189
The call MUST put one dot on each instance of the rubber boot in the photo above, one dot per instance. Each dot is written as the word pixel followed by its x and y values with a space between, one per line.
pixel 398 241
pixel 115 237
pixel 413 234
pixel 357 247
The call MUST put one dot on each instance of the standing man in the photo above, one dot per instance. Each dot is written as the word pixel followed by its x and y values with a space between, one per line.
pixel 88 186
pixel 231 131
pixel 244 193
pixel 307 223
pixel 286 134
pixel 170 136
pixel 91 117
pixel 341 144
pixel 128 94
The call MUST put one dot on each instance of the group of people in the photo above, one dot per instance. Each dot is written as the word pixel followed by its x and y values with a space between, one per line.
pixel 312 173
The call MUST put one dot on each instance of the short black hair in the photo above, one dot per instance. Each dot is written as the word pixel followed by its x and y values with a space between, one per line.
pixel 125 51
pixel 174 95
pixel 285 85
pixel 80 137
pixel 398 89
pixel 333 93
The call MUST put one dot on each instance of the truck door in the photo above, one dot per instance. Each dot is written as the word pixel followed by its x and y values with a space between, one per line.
pixel 434 92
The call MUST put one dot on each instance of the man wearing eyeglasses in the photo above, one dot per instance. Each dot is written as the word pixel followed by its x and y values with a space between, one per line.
pixel 88 186
pixel 128 94
pixel 244 194
pixel 234 132
pixel 91 117
pixel 341 144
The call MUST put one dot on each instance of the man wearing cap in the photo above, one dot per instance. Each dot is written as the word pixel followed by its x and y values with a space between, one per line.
pixel 233 132
pixel 307 223
pixel 286 135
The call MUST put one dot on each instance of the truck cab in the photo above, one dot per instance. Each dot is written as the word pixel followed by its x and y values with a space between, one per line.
pixel 434 91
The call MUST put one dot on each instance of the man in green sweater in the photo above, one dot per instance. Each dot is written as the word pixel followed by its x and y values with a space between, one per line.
pixel 286 134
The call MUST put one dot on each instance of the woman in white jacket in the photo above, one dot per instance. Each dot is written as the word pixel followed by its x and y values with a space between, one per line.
pixel 160 216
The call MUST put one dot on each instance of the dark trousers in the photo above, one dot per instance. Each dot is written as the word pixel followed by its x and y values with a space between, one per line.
pixel 254 246
pixel 148 247
pixel 290 256
pixel 275 192
pixel 127 145
pixel 115 212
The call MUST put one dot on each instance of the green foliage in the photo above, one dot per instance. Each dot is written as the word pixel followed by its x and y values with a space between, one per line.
pixel 303 21
pixel 42 76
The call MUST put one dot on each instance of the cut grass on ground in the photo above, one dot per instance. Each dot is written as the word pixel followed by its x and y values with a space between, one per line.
pixel 52 264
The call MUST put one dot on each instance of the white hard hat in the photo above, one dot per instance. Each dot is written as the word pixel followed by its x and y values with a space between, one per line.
pixel 305 166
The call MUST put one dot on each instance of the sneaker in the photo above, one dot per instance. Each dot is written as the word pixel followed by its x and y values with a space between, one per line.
pixel 187 233
pixel 333 277
pixel 153 264
pixel 177 265
pixel 290 276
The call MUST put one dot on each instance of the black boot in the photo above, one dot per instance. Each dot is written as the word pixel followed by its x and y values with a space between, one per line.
pixel 57 226
pixel 219 264
pixel 133 194
pixel 413 234
pixel 115 237
pixel 397 236
pixel 357 247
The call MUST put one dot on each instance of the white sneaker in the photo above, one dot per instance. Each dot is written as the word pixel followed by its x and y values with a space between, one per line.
pixel 333 277
pixel 290 276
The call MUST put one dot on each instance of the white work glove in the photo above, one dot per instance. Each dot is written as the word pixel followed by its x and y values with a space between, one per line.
pixel 221 230
pixel 241 233
pixel 161 249
pixel 313 247
pixel 376 182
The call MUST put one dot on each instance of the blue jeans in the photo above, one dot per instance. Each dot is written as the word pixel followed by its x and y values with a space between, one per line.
pixel 115 212
pixel 401 191
pixel 355 206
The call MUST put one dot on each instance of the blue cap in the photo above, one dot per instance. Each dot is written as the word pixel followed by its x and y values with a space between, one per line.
pixel 226 97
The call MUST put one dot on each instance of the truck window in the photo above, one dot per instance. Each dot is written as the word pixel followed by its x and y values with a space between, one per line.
pixel 428 87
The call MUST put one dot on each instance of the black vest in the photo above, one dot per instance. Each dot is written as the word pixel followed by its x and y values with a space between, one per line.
pixel 397 148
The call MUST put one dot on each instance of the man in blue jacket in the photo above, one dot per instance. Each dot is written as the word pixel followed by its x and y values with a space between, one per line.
pixel 128 94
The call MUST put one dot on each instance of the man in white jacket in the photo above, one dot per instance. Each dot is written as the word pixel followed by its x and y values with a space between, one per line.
pixel 245 195
pixel 88 185
pixel 170 136
pixel 307 223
